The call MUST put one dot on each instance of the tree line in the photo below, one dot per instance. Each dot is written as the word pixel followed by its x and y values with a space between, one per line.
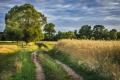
pixel 25 23
pixel 97 32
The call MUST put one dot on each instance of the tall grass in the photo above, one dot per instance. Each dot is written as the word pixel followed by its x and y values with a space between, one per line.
pixel 100 56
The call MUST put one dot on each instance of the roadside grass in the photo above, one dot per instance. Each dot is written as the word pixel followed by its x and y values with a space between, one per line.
pixel 7 67
pixel 17 66
pixel 52 70
pixel 81 69
pixel 24 66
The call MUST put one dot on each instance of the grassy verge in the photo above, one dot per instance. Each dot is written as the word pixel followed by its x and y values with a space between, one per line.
pixel 7 67
pixel 79 68
pixel 52 70
pixel 17 66
pixel 24 66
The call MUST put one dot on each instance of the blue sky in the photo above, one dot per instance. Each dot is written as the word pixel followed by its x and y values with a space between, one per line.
pixel 71 14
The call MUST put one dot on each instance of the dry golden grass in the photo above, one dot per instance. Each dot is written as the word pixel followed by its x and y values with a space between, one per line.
pixel 31 46
pixel 95 54
pixel 7 49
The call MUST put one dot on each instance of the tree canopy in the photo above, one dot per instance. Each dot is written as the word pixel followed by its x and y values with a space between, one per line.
pixel 27 21
pixel 49 30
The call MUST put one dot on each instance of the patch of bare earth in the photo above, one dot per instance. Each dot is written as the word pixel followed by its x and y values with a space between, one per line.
pixel 70 71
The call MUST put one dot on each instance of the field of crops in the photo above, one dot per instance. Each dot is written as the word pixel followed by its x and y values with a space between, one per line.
pixel 101 57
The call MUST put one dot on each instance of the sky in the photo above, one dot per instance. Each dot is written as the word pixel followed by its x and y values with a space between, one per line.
pixel 71 14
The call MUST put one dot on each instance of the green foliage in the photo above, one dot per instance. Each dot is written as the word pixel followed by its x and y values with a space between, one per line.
pixel 49 31
pixel 2 36
pixel 118 35
pixel 113 34
pixel 7 67
pixel 14 34
pixel 27 20
pixel 85 32
pixel 98 31
pixel 65 35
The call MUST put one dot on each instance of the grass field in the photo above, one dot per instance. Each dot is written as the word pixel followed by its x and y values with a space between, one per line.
pixel 97 57
pixel 17 66
pixel 93 60
pixel 15 62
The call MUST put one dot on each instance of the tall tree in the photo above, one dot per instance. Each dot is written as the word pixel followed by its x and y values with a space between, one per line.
pixel 113 34
pixel 26 19
pixel 49 31
pixel 98 31
pixel 65 35
pixel 85 32
pixel 76 34
pixel 118 35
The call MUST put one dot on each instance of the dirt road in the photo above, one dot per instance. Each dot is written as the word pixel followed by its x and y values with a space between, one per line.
pixel 39 71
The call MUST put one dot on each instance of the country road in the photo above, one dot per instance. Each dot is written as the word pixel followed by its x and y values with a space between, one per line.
pixel 39 71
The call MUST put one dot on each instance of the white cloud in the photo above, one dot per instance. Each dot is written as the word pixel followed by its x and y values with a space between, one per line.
pixel 112 18
pixel 63 6
pixel 54 18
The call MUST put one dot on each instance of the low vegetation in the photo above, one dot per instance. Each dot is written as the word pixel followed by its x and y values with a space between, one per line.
pixel 52 70
pixel 7 49
pixel 16 63
pixel 101 57
pixel 7 66
pixel 25 68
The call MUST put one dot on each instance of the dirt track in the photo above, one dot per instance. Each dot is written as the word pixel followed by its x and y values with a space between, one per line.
pixel 70 72
pixel 39 71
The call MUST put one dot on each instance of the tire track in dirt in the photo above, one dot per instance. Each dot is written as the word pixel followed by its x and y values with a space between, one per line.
pixel 70 71
pixel 39 70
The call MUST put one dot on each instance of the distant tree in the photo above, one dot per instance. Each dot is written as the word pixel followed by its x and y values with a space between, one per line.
pixel 118 35
pixel 59 35
pixel 49 30
pixel 70 35
pixel 76 34
pixel 25 19
pixel 98 31
pixel 106 34
pixel 2 36
pixel 113 34
pixel 85 32
pixel 65 35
